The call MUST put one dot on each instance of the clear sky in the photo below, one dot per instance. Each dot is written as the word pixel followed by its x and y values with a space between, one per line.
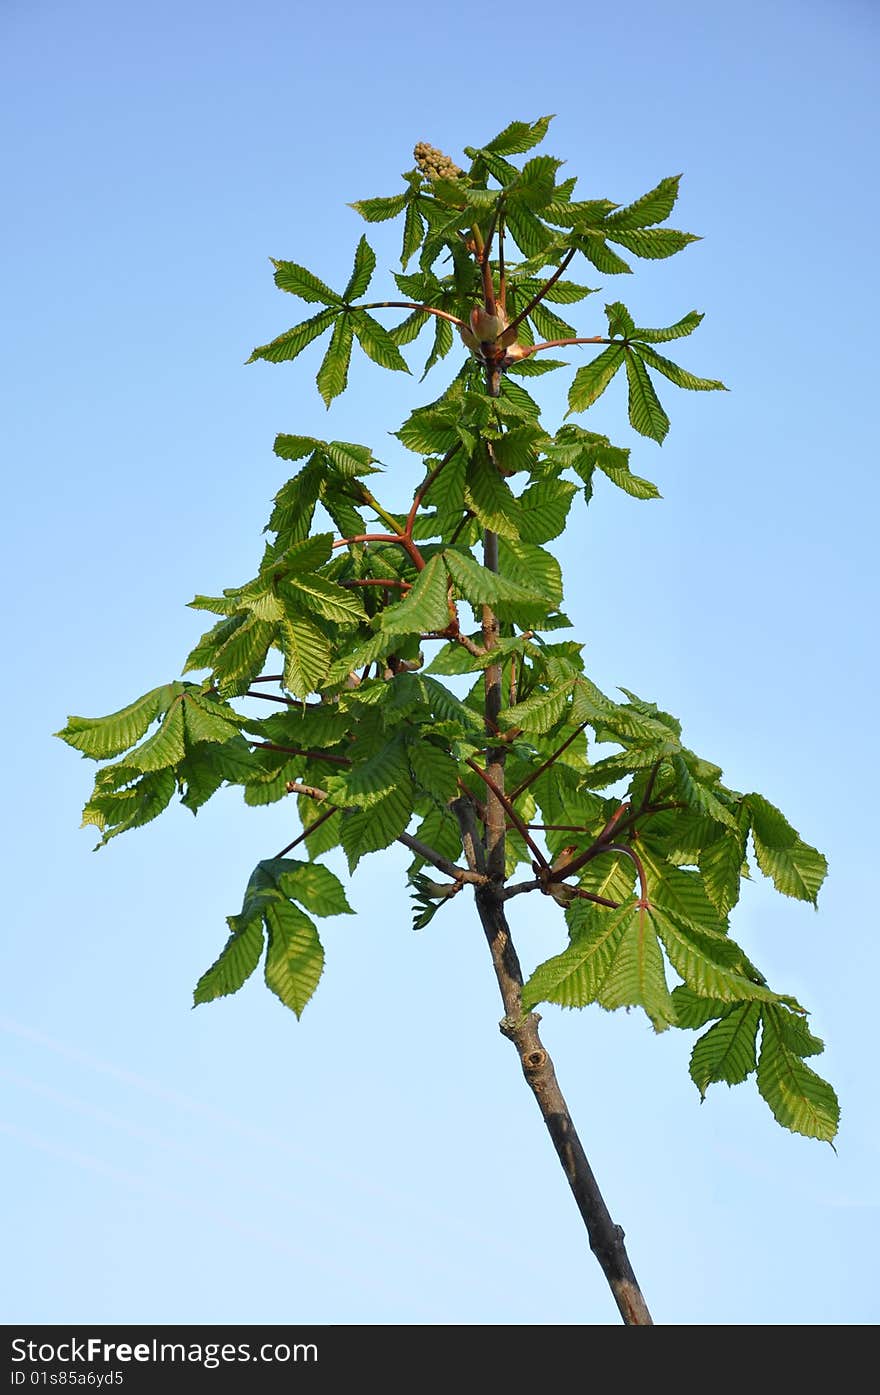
pixel 381 1161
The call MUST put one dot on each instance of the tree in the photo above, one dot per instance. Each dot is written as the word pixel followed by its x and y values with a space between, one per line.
pixel 418 683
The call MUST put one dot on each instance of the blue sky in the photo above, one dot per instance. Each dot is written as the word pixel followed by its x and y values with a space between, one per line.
pixel 381 1161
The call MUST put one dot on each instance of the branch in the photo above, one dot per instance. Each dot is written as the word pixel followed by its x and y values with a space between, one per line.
pixel 634 857
pixel 536 300
pixel 404 542
pixel 521 1028
pixel 408 305
pixel 524 784
pixel 576 892
pixel 443 864
pixel 563 344
pixel 423 488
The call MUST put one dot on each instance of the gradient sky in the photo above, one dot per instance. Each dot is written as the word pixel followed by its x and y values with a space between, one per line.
pixel 381 1161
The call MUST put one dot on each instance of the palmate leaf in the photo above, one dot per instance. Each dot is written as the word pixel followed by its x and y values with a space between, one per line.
pixel 614 959
pixel 294 958
pixel 799 1099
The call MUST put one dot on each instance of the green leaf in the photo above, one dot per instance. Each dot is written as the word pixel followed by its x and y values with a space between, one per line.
pixel 425 608
pixel 380 210
pixel 489 497
pixel 536 184
pixel 300 282
pixel 794 867
pixel 325 598
pixel 413 232
pixel 165 747
pixel 306 656
pixel 594 247
pixel 292 342
pixel 620 321
pixel 799 1099
pixel 243 655
pixel 653 243
pixel 294 957
pixel 645 412
pixel 208 720
pixel 699 959
pixel 483 587
pixel 428 431
pixel 235 963
pixel 721 865
pixel 443 342
pixel 694 1011
pixel 592 379
pixel 613 461
pixel 362 272
pixel 678 375
pixel 310 883
pixel 697 796
pixel 333 374
pixel 529 233
pixel 543 509
pixel 102 737
pixel 434 770
pixel 728 1051
pixel 519 136
pixel 679 330
pixel 377 343
pixel 540 712
pixel 653 207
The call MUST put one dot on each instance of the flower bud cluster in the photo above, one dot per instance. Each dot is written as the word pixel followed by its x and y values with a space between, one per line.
pixel 434 164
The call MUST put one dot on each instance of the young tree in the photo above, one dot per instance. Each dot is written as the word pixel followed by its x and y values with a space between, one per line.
pixel 643 849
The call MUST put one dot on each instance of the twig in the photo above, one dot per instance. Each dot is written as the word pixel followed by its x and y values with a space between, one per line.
pixel 322 818
pixel 511 813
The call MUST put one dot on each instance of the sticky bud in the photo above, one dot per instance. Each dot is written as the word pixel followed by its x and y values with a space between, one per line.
pixel 485 327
